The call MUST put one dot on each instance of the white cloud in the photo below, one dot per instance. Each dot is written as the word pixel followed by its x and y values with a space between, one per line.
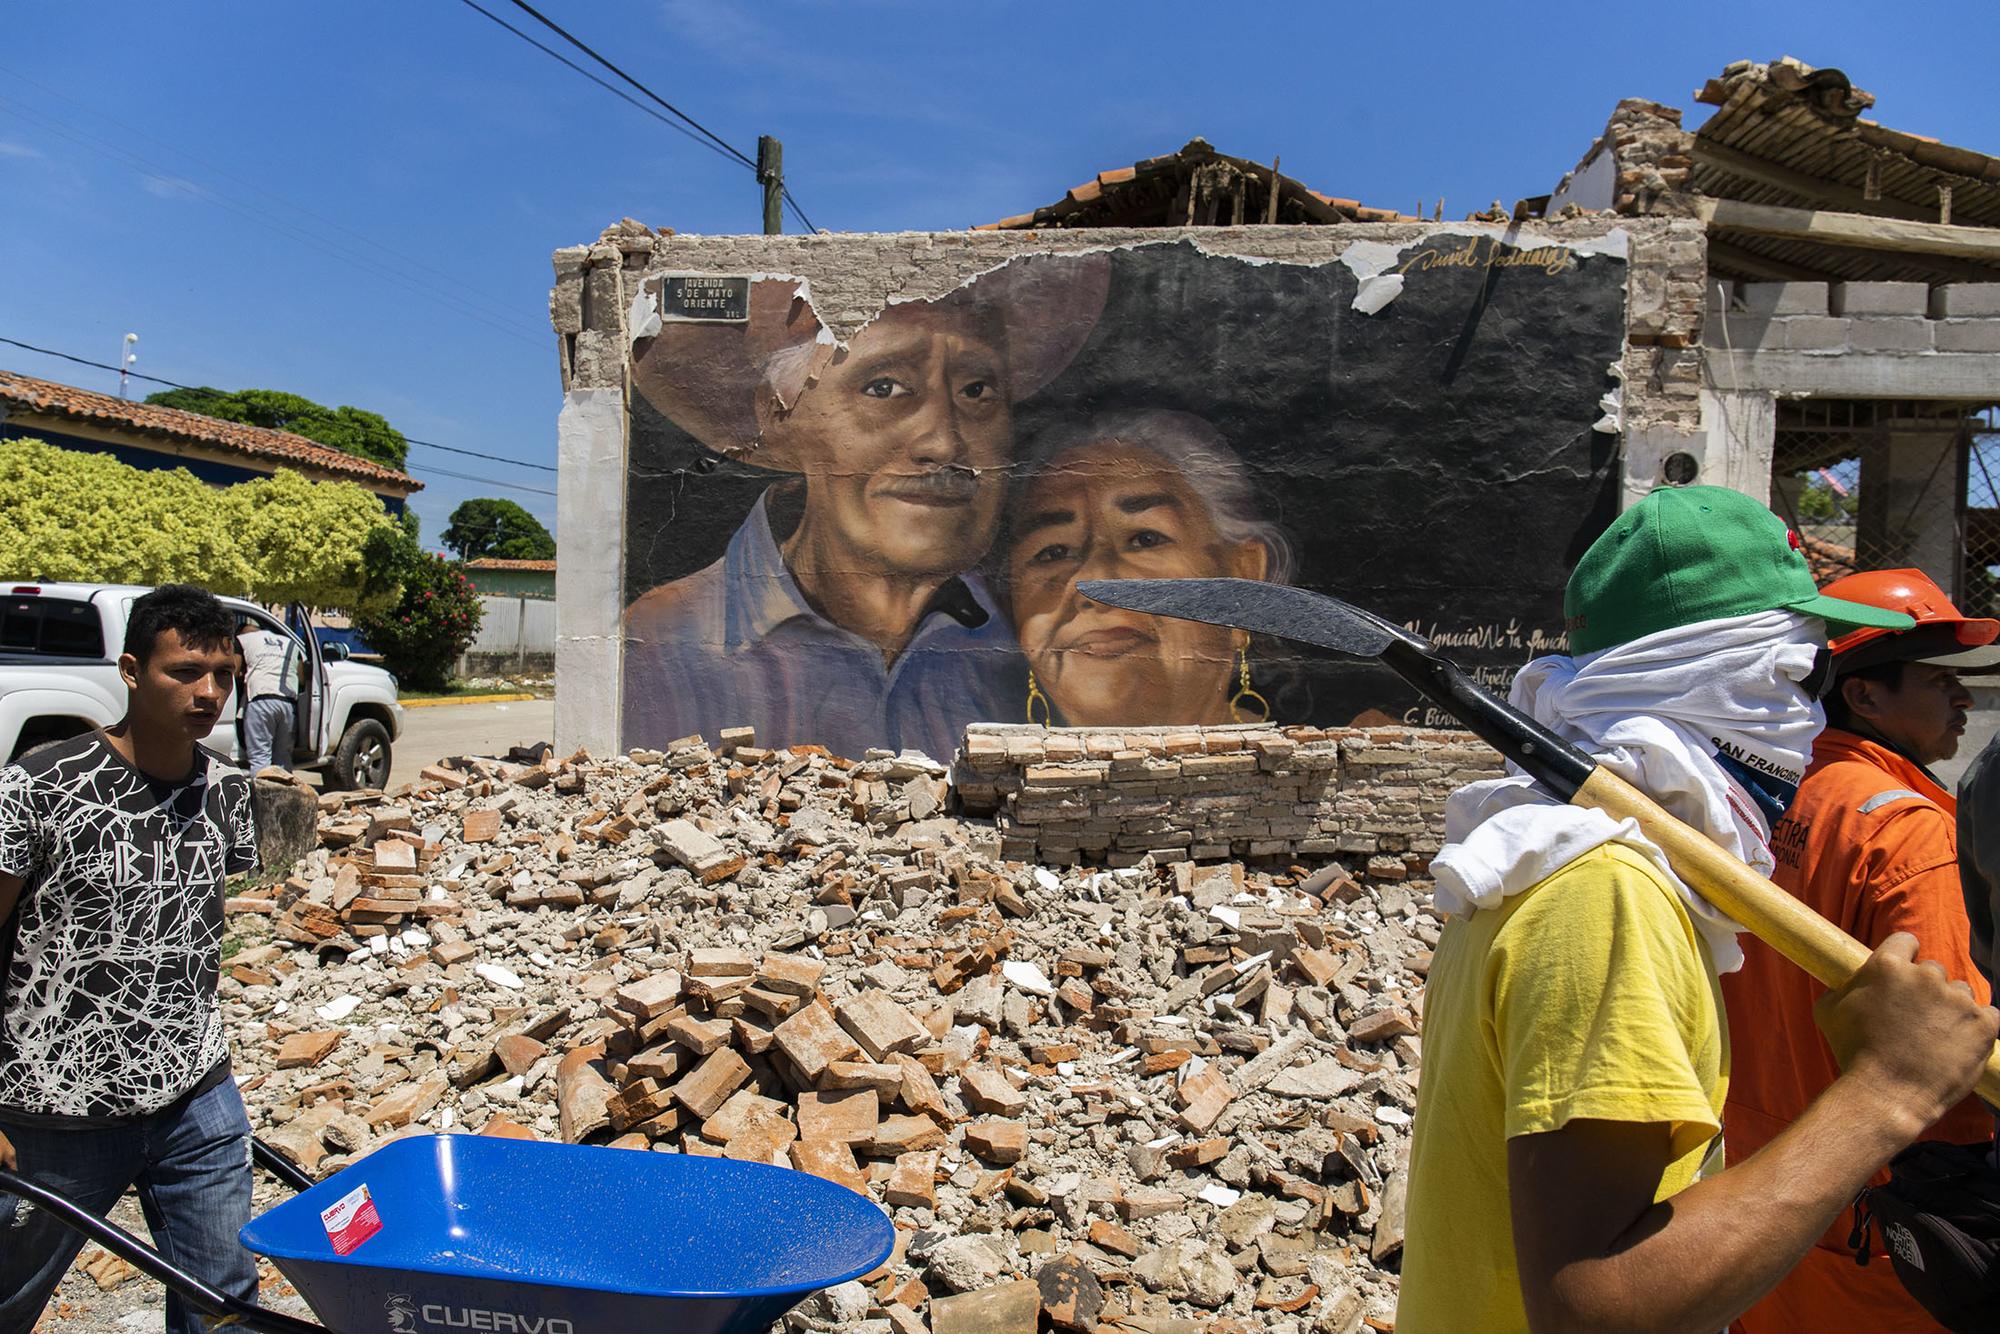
pixel 171 187
pixel 8 149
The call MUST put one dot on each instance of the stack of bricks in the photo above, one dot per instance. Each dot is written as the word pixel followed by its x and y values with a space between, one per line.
pixel 1065 795
pixel 381 875
pixel 733 1056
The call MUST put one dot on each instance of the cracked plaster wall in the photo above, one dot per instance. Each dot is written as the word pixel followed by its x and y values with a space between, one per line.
pixel 850 278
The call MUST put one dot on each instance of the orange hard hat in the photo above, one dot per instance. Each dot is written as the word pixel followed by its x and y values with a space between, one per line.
pixel 1943 635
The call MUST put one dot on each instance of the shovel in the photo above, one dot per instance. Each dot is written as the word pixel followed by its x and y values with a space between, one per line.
pixel 1771 914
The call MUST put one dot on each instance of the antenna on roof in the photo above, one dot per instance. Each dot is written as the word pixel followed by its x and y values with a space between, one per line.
pixel 126 356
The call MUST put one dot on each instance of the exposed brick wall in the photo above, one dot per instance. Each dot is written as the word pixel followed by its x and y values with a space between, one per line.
pixel 1372 798
pixel 1664 309
pixel 1654 156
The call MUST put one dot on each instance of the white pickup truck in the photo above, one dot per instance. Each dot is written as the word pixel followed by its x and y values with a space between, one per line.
pixel 59 646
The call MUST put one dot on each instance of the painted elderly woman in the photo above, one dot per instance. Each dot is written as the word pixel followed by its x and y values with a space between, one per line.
pixel 1134 495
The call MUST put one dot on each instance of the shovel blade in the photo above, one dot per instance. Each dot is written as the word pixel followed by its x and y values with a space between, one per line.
pixel 1278 610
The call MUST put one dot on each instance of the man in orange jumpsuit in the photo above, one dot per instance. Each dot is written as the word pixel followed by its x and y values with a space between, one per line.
pixel 1870 843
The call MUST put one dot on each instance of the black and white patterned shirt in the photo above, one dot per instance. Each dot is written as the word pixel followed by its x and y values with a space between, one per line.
pixel 108 964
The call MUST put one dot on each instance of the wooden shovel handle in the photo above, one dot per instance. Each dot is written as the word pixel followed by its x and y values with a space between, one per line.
pixel 1770 914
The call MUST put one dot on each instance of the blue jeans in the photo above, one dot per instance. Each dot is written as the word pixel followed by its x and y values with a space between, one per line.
pixel 191 1164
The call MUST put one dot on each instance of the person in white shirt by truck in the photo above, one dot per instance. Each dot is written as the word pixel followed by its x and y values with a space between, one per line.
pixel 270 696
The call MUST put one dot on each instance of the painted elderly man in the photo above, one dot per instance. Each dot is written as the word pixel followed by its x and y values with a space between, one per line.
pixel 845 610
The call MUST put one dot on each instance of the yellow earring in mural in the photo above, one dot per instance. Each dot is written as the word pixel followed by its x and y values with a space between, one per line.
pixel 1244 694
pixel 1035 696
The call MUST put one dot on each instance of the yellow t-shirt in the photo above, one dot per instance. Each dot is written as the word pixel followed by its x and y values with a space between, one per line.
pixel 1589 995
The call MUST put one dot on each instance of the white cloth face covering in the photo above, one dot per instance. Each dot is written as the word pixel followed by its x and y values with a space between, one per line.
pixel 1655 712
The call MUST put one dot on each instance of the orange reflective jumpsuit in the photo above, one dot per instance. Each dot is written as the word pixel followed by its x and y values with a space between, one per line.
pixel 1871 845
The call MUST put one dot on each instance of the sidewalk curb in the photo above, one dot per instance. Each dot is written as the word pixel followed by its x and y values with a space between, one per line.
pixel 466 699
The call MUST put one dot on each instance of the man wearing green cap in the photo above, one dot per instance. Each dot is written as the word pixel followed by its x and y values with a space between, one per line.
pixel 1563 1170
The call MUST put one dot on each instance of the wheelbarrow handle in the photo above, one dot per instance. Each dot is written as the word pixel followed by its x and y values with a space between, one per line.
pixel 205 1297
pixel 280 1166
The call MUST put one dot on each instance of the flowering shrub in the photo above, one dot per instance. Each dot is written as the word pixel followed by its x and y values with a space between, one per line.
pixel 67 514
pixel 88 517
pixel 422 635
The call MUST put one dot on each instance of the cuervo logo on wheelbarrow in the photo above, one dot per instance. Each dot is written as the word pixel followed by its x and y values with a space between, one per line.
pixel 402 1313
pixel 1768 912
pixel 405 1317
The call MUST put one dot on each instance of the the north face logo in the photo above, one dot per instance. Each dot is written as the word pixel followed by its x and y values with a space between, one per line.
pixel 1904 1245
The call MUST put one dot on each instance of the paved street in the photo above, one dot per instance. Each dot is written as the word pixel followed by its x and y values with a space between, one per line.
pixel 432 733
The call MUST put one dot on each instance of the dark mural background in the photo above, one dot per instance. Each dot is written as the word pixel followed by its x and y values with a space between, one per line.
pixel 1434 462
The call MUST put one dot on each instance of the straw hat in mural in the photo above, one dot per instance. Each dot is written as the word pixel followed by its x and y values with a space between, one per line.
pixel 706 378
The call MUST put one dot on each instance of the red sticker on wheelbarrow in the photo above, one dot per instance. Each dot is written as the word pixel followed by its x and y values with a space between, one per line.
pixel 351 1220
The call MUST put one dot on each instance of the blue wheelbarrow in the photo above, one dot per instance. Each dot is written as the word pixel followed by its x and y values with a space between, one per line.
pixel 442 1234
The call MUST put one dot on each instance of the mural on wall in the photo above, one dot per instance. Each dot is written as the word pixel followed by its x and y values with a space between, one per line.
pixel 872 545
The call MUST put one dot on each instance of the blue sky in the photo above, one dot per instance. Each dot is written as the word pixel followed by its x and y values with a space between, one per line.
pixel 357 201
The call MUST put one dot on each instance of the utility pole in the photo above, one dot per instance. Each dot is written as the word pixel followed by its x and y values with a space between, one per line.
pixel 771 172
pixel 126 356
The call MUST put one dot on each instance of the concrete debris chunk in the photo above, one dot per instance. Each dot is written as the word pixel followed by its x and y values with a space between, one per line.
pixel 812 1041
pixel 1326 1078
pixel 879 1025
pixel 1005 1308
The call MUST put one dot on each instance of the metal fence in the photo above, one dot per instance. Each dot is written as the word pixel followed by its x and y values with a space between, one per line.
pixel 1979 586
pixel 515 634
pixel 1880 484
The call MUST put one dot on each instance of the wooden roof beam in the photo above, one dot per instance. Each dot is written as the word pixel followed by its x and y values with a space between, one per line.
pixel 1759 171
pixel 1854 230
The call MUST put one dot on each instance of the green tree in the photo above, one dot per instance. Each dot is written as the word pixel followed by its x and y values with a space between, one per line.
pixel 431 624
pixel 500 529
pixel 353 430
pixel 309 541
pixel 391 555
pixel 88 517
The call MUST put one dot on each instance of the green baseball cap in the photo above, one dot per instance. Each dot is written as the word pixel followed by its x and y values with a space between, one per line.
pixel 1697 553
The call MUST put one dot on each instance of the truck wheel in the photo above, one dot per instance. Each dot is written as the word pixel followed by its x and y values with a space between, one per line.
pixel 362 759
pixel 41 733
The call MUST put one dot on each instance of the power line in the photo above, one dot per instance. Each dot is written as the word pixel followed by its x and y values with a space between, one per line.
pixel 15 342
pixel 613 89
pixel 675 111
pixel 454 449
pixel 451 281
pixel 418 286
pixel 709 139
pixel 488 481
pixel 449 449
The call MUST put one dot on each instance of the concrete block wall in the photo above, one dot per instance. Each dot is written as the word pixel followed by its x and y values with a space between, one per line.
pixel 1899 319
pixel 1371 798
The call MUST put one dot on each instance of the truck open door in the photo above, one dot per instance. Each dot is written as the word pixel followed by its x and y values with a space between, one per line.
pixel 310 741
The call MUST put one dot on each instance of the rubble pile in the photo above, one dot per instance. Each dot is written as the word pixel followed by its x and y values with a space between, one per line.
pixel 1156 1097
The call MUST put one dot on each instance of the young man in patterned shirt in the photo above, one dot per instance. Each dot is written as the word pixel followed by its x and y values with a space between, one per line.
pixel 114 1067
